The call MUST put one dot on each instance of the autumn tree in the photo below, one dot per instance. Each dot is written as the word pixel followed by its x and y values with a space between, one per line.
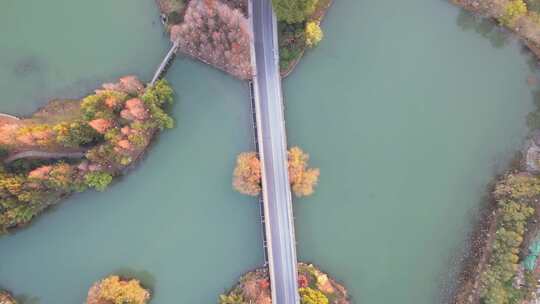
pixel 294 11
pixel 312 296
pixel 518 187
pixel 216 34
pixel 513 10
pixel 313 34
pixel 247 174
pixel 115 290
pixel 303 179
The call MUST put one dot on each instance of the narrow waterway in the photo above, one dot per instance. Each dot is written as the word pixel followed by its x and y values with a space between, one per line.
pixel 175 221
pixel 409 111
pixel 406 107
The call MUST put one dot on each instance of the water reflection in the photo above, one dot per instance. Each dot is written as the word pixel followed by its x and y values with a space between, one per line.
pixel 487 28
pixel 147 279
pixel 27 65
pixel 27 299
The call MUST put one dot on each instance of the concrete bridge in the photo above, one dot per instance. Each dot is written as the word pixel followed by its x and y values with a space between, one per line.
pixel 271 143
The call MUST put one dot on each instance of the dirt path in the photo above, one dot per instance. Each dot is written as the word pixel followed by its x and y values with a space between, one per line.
pixel 44 155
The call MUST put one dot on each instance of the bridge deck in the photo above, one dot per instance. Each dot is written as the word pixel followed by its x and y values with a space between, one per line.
pixel 165 63
pixel 272 148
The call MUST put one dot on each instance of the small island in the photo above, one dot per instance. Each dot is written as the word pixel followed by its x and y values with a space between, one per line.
pixel 315 287
pixel 118 290
pixel 217 32
pixel 70 146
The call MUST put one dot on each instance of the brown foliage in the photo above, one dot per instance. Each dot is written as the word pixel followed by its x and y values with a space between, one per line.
pixel 101 125
pixel 217 34
pixel 134 110
pixel 128 84
pixel 247 174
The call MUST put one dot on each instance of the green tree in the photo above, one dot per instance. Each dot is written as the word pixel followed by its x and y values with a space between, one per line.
pixel 74 134
pixel 294 11
pixel 154 98
pixel 98 180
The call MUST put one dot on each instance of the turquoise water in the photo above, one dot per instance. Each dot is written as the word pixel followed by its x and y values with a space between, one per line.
pixel 174 221
pixel 409 117
pixel 406 107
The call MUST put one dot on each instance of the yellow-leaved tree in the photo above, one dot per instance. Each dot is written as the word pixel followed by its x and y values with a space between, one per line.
pixel 314 33
pixel 247 174
pixel 115 290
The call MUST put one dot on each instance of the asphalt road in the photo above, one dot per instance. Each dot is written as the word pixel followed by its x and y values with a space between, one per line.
pixel 272 138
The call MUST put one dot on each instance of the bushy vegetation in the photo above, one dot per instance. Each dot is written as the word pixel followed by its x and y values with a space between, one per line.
pixel 115 290
pixel 302 178
pixel 98 180
pixel 247 173
pixel 298 29
pixel 513 10
pixel 114 126
pixel 294 11
pixel 314 34
pixel 312 296
pixel 218 34
pixel 533 5
pixel 515 195
pixel 75 134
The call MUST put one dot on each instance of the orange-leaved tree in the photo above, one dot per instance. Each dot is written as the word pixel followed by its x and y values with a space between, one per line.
pixel 247 174
pixel 303 179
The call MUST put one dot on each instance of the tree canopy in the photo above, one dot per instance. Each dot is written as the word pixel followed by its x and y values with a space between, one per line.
pixel 294 11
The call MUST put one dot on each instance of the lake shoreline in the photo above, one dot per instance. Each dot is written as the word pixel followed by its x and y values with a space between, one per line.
pixel 254 286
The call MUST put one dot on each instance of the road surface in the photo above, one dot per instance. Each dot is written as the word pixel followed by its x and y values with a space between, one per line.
pixel 272 139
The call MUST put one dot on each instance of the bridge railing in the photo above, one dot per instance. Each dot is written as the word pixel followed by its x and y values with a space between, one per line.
pixel 260 198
